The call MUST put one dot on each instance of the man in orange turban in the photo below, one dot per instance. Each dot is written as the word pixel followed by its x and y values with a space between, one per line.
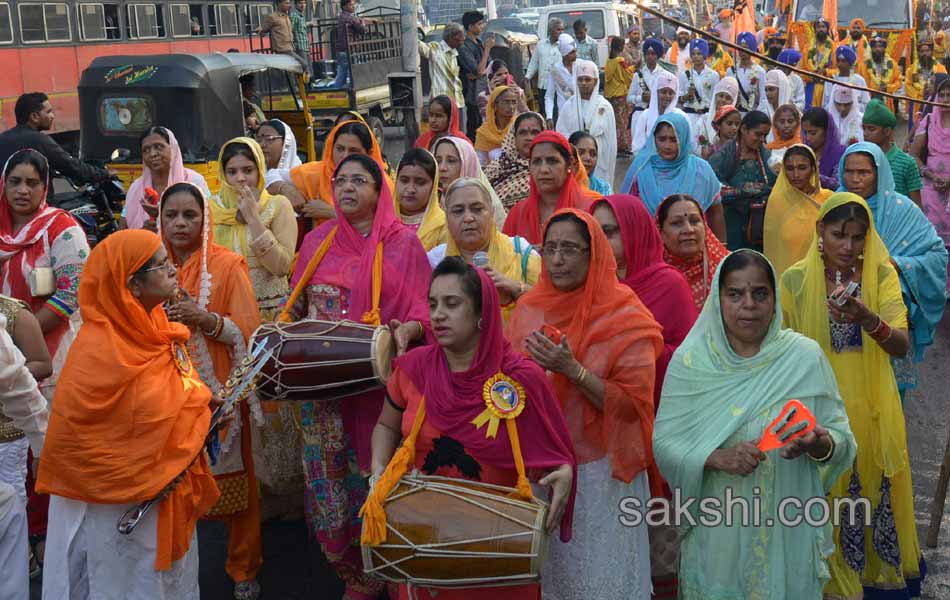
pixel 129 425
pixel 858 40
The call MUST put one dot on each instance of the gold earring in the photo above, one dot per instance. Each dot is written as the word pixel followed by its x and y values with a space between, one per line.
pixel 821 245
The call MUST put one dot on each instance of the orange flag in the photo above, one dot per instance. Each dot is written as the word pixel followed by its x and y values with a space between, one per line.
pixel 830 13
pixel 744 17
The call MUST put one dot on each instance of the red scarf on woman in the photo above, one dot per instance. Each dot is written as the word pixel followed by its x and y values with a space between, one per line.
pixel 425 140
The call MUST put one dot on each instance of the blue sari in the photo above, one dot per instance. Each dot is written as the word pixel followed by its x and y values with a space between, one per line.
pixel 657 178
pixel 919 254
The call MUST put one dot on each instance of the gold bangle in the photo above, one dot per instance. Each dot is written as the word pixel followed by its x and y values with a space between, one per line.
pixel 581 375
pixel 826 457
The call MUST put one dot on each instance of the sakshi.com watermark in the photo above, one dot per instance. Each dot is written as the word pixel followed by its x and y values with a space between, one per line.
pixel 744 511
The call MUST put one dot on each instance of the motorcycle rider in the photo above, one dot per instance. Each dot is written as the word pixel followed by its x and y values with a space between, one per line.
pixel 34 115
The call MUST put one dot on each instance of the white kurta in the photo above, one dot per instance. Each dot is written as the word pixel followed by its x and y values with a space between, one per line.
pixel 644 78
pixel 14 550
pixel 705 82
pixel 849 127
pixel 750 95
pixel 596 117
pixel 683 60
pixel 87 558
pixel 560 88
pixel 798 91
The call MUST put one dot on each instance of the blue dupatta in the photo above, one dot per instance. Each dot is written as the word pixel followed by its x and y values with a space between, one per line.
pixel 915 248
pixel 658 178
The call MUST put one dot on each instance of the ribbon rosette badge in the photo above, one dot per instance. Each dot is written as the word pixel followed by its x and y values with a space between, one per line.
pixel 504 399
pixel 185 368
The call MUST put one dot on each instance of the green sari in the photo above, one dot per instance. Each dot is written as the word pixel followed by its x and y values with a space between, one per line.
pixel 713 398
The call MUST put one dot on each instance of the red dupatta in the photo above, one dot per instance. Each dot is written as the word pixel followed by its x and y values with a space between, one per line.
pixel 524 220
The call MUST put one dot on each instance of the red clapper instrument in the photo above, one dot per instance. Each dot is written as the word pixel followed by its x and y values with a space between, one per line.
pixel 793 422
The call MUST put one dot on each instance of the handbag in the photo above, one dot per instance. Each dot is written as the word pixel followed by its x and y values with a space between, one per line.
pixel 755 226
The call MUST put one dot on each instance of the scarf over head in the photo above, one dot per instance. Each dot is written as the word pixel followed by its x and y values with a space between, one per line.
pixel 432 231
pixel 777 79
pixel 425 139
pixel 643 126
pixel 130 414
pixel 657 178
pixel 288 157
pixel 937 136
pixel 805 300
pixel 24 250
pixel 489 136
pixel 313 179
pixel 710 392
pixel 524 220
pixel 135 215
pixel 471 167
pixel 699 269
pixel 453 400
pixel 566 44
pixel 831 151
pixel 349 258
pixel 790 216
pixel 777 142
pixel 877 113
pixel 224 204
pixel 914 246
pixel 615 337
pixel 728 85
pixel 595 116
pixel 508 174
pixel 660 286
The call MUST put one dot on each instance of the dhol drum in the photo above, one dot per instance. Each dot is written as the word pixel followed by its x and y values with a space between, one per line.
pixel 323 360
pixel 444 532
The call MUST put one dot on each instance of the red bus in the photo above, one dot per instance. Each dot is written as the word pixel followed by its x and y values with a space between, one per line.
pixel 45 45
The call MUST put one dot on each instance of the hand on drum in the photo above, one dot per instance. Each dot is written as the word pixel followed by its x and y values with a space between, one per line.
pixel 561 481
pixel 405 333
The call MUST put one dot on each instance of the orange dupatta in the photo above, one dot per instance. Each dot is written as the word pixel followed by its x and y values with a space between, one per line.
pixel 778 143
pixel 615 337
pixel 313 179
pixel 129 414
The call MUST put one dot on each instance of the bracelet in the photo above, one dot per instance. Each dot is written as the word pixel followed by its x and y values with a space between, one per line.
pixel 218 326
pixel 880 323
pixel 881 333
pixel 581 375
pixel 827 457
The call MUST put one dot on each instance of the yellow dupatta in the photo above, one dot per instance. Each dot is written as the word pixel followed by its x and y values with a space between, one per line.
pixel 805 308
pixel 433 230
pixel 790 216
pixel 224 204
pixel 489 137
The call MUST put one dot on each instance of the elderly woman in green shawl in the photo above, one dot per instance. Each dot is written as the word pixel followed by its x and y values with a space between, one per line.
pixel 729 379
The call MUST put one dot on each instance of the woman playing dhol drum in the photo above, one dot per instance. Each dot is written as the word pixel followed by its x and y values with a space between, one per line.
pixel 363 266
pixel 437 400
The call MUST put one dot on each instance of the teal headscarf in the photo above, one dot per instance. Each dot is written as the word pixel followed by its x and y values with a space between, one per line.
pixel 686 174
pixel 710 392
pixel 915 247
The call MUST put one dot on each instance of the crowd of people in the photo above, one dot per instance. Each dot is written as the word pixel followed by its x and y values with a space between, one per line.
pixel 770 241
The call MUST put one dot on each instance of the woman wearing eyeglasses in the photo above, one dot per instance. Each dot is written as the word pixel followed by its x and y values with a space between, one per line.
pixel 603 374
pixel 335 279
pixel 501 111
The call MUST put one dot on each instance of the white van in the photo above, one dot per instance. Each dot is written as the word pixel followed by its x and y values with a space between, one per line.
pixel 604 21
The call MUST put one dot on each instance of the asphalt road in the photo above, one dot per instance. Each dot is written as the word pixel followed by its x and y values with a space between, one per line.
pixel 294 568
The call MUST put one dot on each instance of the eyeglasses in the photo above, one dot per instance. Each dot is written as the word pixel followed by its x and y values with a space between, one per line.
pixel 356 180
pixel 165 264
pixel 568 250
pixel 509 102
pixel 266 139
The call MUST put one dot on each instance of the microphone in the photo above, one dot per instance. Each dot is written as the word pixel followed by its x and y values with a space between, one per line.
pixel 480 259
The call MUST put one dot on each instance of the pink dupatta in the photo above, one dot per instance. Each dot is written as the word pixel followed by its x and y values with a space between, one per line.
pixel 135 215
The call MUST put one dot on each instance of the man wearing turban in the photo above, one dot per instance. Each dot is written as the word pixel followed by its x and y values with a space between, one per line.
pixel 792 57
pixel 879 124
pixel 881 71
pixel 845 58
pixel 857 40
pixel 725 30
pixel 749 74
pixel 678 54
pixel 561 80
pixel 820 59
pixel 696 84
pixel 644 80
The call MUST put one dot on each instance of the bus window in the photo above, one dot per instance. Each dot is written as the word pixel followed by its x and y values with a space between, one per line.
pixel 255 16
pixel 594 19
pixel 187 20
pixel 223 19
pixel 44 23
pixel 6 24
pixel 146 21
pixel 98 22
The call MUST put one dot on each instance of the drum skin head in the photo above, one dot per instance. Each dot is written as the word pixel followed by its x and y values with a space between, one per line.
pixel 384 350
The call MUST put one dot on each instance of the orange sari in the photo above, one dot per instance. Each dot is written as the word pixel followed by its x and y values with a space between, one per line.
pixel 131 414
pixel 218 281
pixel 615 337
